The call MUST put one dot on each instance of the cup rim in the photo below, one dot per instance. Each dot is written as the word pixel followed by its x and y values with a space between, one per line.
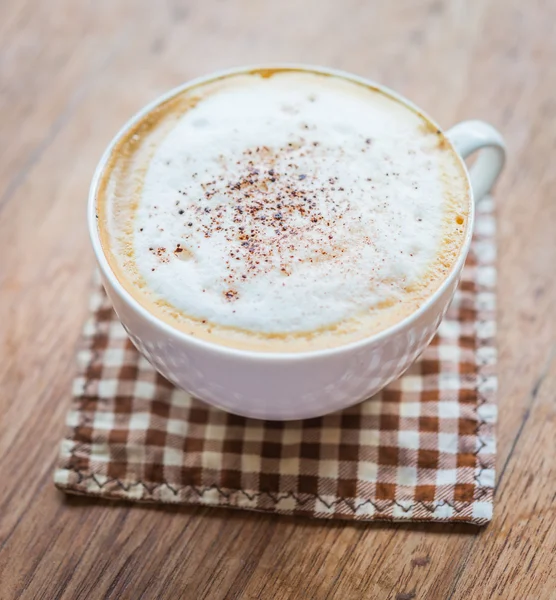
pixel 206 345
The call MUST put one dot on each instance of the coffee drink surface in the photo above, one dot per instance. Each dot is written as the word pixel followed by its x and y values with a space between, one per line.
pixel 282 211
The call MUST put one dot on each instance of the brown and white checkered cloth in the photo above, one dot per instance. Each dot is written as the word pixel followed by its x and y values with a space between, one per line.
pixel 421 450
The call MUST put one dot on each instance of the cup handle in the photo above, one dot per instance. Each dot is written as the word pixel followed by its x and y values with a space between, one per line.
pixel 470 136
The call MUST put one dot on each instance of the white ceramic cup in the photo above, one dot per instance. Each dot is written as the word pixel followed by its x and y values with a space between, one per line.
pixel 296 385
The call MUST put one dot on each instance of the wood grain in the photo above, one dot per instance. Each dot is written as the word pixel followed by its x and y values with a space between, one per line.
pixel 70 74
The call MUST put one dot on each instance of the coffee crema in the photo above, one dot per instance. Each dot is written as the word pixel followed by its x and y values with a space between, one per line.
pixel 282 211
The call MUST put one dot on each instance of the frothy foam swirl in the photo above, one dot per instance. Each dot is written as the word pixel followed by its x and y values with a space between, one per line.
pixel 295 206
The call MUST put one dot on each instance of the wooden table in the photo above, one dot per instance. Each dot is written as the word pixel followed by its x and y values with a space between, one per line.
pixel 70 74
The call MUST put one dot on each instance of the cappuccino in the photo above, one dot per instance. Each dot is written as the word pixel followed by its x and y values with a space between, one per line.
pixel 282 211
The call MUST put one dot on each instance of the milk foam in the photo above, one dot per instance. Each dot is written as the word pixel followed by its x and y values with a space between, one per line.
pixel 288 205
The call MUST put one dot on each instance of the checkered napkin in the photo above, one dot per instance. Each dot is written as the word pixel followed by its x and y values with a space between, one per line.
pixel 421 450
